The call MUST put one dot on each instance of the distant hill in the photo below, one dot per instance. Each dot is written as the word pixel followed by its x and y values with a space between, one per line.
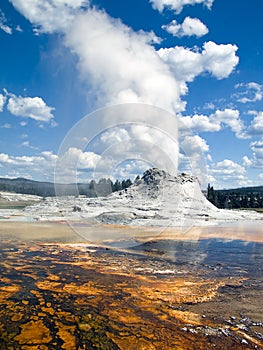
pixel 26 186
pixel 48 189
pixel 244 190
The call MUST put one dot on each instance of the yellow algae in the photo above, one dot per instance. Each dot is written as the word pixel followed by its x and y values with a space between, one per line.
pixel 5 280
pixel 66 334
pixel 34 333
pixel 186 316
pixel 34 347
pixel 48 285
pixel 179 291
pixel 53 277
pixel 14 288
pixel 133 343
pixel 48 310
pixel 84 327
pixel 17 317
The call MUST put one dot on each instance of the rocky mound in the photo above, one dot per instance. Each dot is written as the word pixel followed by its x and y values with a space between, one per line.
pixel 161 199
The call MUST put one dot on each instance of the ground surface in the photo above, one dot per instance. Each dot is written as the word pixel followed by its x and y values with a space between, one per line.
pixel 59 292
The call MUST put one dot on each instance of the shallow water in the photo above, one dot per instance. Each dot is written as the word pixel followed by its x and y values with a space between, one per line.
pixel 224 255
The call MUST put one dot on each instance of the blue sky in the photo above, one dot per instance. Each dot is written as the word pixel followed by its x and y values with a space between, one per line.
pixel 199 60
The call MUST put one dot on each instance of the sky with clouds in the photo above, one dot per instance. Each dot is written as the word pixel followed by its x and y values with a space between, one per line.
pixel 200 61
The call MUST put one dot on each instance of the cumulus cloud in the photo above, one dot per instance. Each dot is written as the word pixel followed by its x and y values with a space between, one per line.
pixel 194 144
pixel 43 165
pixel 75 158
pixel 246 162
pixel 228 174
pixel 257 149
pixel 256 125
pixel 214 122
pixel 252 92
pixel 30 107
pixel 177 5
pixel 186 64
pixel 189 27
pixel 50 16
pixel 256 160
pixel 2 102
pixel 228 168
pixel 198 123
pixel 28 166
pixel 229 117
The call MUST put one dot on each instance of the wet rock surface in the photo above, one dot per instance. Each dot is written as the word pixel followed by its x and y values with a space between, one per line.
pixel 78 296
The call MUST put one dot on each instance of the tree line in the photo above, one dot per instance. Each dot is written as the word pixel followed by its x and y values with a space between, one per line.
pixel 247 197
pixel 102 187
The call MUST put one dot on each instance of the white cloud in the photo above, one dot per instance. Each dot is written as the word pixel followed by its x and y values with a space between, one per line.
pixel 131 169
pixel 120 65
pixel 194 144
pixel 228 167
pixel 117 135
pixel 253 92
pixel 256 125
pixel 231 118
pixel 2 102
pixel 132 72
pixel 213 123
pixel 3 24
pixel 186 64
pixel 193 156
pixel 219 60
pixel 50 16
pixel 246 161
pixel 257 149
pixel 27 144
pixel 6 126
pixel 256 161
pixel 6 28
pixel 228 174
pixel 30 107
pixel 189 27
pixel 75 158
pixel 43 165
pixel 22 166
pixel 198 123
pixel 177 5
pixel 209 105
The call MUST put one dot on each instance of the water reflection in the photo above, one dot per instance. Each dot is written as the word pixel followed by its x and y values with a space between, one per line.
pixel 218 254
